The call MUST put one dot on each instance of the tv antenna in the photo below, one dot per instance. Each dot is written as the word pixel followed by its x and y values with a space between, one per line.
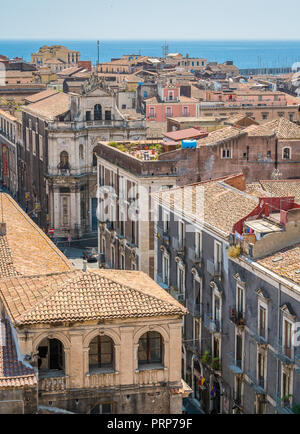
pixel 98 50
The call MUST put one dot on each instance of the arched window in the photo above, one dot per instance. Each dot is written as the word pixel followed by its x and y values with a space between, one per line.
pixel 97 112
pixel 286 153
pixel 51 356
pixel 81 152
pixel 64 160
pixel 150 349
pixel 101 353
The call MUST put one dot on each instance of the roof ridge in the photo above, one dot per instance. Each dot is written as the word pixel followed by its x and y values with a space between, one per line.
pixel 40 302
pixel 141 291
pixel 35 227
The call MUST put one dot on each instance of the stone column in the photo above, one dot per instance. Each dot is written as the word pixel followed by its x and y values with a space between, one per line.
pixel 76 363
pixel 127 355
pixel 175 351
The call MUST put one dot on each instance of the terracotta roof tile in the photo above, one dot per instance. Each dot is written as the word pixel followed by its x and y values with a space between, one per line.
pixel 23 235
pixel 13 372
pixel 79 296
pixel 213 203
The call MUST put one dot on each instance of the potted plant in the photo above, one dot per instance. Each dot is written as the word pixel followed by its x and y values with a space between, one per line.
pixel 286 400
pixel 206 358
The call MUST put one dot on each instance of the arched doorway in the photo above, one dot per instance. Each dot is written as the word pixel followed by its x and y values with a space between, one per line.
pixel 51 357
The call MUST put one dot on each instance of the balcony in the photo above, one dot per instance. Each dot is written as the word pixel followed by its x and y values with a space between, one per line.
pixel 237 317
pixel 55 382
pixel 195 256
pixel 214 269
pixel 194 309
pixel 163 235
pixel 162 282
pixel 257 384
pixel 284 353
pixel 102 380
pixel 234 364
pixel 178 295
pixel 283 405
pixel 213 325
pixel 150 375
pixel 178 245
pixel 259 336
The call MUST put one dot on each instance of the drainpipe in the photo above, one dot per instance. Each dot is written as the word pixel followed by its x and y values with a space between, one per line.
pixel 278 335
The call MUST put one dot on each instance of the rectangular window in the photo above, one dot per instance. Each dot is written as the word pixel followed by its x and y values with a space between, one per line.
pixel 262 321
pixel 41 147
pixel 198 244
pixel 33 143
pixel 166 270
pixel 240 299
pixel 287 338
pixel 261 369
pixel 218 257
pixel 180 280
pixel 181 233
pixel 166 218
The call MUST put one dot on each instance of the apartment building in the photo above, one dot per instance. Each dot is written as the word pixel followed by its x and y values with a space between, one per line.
pixel 128 172
pixel 10 138
pixel 255 150
pixel 169 102
pixel 74 341
pixel 228 251
pixel 62 56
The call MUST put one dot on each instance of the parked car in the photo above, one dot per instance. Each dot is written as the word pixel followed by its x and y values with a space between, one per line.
pixel 90 254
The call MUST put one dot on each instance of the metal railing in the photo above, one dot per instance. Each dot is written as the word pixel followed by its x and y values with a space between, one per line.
pixel 213 325
pixel 257 384
pixel 234 364
pixel 284 353
pixel 195 309
pixel 236 316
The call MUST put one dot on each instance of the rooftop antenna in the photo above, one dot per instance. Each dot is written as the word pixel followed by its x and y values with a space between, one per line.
pixel 165 49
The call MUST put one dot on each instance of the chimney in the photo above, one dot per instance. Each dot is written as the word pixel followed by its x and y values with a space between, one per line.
pixel 84 266
pixel 267 210
pixel 283 217
pixel 2 229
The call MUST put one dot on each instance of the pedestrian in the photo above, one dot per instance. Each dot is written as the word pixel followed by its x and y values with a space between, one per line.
pixel 69 240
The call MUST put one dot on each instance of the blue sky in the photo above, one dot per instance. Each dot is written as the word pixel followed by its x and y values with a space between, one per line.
pixel 151 19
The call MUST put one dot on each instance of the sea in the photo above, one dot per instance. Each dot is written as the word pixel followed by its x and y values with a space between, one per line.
pixel 244 54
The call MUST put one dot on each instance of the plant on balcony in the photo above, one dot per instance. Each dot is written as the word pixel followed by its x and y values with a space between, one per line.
pixel 286 400
pixel 215 363
pixel 206 358
pixel 113 144
pixel 296 409
pixel 234 251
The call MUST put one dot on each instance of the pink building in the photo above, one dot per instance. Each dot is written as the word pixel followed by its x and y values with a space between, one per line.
pixel 169 103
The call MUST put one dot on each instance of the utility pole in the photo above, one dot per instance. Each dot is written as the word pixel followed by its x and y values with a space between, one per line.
pixel 98 48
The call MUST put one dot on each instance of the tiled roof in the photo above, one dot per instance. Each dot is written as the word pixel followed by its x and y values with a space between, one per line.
pixel 220 135
pixel 13 372
pixel 51 107
pixel 288 266
pixel 213 203
pixel 283 129
pixel 26 249
pixel 41 95
pixel 280 188
pixel 83 296
pixel 185 134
